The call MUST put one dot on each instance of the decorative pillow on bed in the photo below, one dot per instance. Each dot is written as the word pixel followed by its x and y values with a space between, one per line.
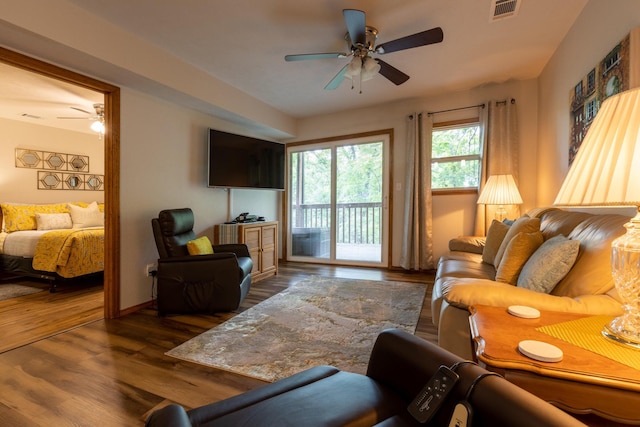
pixel 86 217
pixel 54 221
pixel 200 246
pixel 23 217
pixel 549 264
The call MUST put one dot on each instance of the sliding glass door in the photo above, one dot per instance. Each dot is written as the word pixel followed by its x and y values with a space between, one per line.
pixel 338 201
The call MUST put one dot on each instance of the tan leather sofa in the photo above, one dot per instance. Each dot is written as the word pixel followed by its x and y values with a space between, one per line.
pixel 463 279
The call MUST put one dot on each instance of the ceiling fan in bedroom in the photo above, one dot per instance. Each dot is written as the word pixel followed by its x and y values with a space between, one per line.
pixel 97 117
pixel 361 42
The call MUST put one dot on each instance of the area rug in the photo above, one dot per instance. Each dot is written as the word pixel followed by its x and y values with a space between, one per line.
pixel 319 321
pixel 13 290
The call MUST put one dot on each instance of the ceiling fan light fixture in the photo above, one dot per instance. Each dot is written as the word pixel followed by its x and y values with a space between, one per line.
pixel 354 68
pixel 370 68
pixel 97 126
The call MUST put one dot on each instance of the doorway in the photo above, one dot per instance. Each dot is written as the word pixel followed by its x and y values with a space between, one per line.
pixel 338 200
pixel 111 164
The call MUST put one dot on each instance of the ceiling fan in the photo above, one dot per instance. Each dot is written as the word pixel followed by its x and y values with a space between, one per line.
pixel 98 117
pixel 361 42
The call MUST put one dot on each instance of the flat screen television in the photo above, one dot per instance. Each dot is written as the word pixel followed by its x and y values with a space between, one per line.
pixel 237 161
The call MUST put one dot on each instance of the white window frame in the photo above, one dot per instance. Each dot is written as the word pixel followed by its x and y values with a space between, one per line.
pixel 457 124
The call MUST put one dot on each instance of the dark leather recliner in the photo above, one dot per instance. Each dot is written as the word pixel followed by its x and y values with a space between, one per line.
pixel 197 283
pixel 399 367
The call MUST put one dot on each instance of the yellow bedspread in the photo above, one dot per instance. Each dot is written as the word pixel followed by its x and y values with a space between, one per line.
pixel 70 253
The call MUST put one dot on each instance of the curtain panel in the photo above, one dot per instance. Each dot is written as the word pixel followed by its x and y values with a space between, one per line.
pixel 500 155
pixel 417 247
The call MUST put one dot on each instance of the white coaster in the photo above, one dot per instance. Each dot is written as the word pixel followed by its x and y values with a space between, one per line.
pixel 541 351
pixel 523 311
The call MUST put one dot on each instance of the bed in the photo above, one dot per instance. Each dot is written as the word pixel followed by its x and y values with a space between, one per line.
pixel 53 241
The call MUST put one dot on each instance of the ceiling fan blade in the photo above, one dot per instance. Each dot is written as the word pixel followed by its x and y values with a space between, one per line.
pixel 356 25
pixel 434 35
pixel 337 80
pixel 305 56
pixel 80 109
pixel 392 73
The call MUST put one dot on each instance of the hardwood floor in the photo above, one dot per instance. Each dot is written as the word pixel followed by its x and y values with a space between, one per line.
pixel 33 317
pixel 114 372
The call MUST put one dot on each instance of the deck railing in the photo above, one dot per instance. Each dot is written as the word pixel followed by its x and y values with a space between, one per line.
pixel 357 223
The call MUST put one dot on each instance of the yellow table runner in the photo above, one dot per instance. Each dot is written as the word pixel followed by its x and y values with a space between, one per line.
pixel 586 333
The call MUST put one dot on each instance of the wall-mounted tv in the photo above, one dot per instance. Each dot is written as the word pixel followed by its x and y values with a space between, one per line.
pixel 237 161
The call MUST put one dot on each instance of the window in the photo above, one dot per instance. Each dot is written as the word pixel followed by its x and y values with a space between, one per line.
pixel 456 155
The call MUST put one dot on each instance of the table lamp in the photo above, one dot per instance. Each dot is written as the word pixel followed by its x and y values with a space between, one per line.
pixel 606 172
pixel 500 190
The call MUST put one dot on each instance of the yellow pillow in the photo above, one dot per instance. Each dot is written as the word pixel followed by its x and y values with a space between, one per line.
pixel 523 224
pixel 200 246
pixel 495 236
pixel 23 217
pixel 518 252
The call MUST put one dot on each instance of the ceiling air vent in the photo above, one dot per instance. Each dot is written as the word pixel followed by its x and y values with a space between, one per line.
pixel 504 9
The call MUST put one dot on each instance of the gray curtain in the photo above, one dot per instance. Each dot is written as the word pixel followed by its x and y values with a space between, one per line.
pixel 417 247
pixel 500 155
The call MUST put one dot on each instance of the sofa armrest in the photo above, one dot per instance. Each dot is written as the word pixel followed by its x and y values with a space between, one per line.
pixel 404 362
pixel 196 268
pixel 240 249
pixel 464 292
pixel 473 244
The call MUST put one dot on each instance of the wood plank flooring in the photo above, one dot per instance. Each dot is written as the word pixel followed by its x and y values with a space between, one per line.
pixel 29 318
pixel 114 372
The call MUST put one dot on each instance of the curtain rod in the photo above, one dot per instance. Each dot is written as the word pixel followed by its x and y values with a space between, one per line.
pixel 456 109
pixel 513 101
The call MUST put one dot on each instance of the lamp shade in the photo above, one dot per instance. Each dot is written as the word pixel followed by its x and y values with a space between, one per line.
pixel 606 170
pixel 500 190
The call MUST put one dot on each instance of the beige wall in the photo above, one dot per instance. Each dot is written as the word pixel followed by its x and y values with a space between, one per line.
pixel 20 185
pixel 163 165
pixel 602 24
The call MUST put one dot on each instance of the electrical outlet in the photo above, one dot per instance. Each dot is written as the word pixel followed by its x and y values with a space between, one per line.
pixel 150 269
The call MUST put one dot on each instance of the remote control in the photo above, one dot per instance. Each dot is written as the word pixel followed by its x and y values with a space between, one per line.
pixel 461 416
pixel 431 397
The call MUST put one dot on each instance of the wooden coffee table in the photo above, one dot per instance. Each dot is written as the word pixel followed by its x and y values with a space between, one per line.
pixel 582 383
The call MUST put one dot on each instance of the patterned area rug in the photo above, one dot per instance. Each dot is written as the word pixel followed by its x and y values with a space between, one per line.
pixel 319 321
pixel 12 290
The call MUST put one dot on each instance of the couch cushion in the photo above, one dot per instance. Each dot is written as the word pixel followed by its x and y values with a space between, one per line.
pixel 473 244
pixel 549 264
pixel 460 267
pixel 523 224
pixel 556 221
pixel 495 236
pixel 518 251
pixel 591 273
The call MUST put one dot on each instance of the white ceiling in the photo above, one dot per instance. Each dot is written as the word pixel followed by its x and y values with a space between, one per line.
pixel 243 43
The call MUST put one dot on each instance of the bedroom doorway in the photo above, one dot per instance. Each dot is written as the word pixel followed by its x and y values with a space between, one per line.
pixel 111 96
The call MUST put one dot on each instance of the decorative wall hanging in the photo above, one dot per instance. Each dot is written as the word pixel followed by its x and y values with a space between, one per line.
pixel 35 159
pixel 615 73
pixel 69 181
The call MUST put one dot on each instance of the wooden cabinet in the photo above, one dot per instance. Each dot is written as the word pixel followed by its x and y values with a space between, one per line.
pixel 262 240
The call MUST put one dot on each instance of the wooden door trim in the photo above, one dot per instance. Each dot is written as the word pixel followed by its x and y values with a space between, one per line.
pixel 112 165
